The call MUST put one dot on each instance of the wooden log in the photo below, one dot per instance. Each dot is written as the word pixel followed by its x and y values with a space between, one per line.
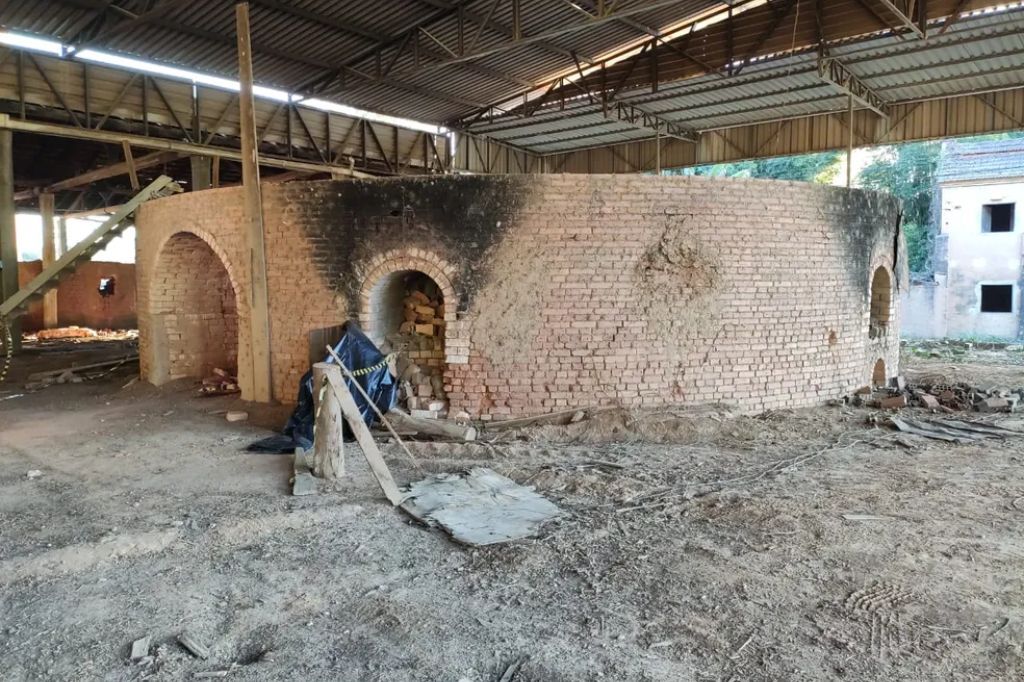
pixel 328 446
pixel 431 427
pixel 365 439
pixel 373 406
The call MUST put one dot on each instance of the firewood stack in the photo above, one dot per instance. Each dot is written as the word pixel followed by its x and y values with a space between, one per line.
pixel 420 346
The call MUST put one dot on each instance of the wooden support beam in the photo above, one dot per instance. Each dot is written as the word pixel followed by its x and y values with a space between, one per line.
pixel 8 238
pixel 183 148
pixel 49 256
pixel 201 168
pixel 258 387
pixel 328 444
pixel 62 235
pixel 113 170
pixel 378 467
pixel 133 175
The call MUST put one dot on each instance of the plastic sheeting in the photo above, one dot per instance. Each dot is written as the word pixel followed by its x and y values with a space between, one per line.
pixel 370 367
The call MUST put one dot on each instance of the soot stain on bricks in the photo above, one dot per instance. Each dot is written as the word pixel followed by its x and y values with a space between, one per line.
pixel 459 218
pixel 853 216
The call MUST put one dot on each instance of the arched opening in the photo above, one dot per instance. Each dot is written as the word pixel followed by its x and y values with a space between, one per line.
pixel 878 374
pixel 407 310
pixel 881 303
pixel 194 311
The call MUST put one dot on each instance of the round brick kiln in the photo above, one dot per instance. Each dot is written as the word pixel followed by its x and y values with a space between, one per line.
pixel 516 295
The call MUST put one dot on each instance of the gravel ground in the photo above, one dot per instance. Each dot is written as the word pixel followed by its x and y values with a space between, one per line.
pixel 696 545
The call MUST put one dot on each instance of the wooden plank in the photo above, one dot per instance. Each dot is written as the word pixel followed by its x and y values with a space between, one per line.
pixel 365 439
pixel 328 441
pixel 303 482
pixel 79 250
pixel 258 387
pixel 113 170
pixel 129 160
pixel 8 235
pixel 49 256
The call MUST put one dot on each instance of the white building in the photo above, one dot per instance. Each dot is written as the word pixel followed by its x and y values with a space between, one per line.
pixel 976 290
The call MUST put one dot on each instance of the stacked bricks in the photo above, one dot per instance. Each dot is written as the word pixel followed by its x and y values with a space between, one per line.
pixel 419 344
pixel 768 303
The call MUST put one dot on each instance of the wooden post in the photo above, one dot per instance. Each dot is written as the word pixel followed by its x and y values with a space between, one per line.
pixel 378 467
pixel 849 144
pixel 328 448
pixel 259 389
pixel 8 235
pixel 49 256
pixel 657 143
pixel 62 235
pixel 202 172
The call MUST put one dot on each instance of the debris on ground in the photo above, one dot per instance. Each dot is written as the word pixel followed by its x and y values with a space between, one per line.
pixel 942 397
pixel 303 482
pixel 140 649
pixel 34 473
pixel 236 415
pixel 479 507
pixel 77 374
pixel 72 332
pixel 950 430
pixel 193 645
pixel 220 382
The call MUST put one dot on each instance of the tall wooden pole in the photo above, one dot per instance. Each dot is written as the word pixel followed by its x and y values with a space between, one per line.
pixel 62 235
pixel 8 237
pixel 259 388
pixel 49 256
pixel 849 144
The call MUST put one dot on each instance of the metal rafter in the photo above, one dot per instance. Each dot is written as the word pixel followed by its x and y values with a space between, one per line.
pixel 904 14
pixel 834 71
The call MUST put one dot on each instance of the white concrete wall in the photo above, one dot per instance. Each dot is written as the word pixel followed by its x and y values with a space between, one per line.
pixel 977 257
pixel 923 309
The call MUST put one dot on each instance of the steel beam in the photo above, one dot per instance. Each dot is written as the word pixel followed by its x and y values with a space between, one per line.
pixel 834 71
pixel 644 120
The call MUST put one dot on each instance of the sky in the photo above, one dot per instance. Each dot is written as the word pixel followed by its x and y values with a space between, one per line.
pixel 29 228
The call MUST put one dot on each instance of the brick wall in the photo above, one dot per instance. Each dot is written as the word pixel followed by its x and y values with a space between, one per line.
pixel 192 279
pixel 78 299
pixel 565 291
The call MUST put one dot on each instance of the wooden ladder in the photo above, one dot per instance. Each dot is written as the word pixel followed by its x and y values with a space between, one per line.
pixel 84 250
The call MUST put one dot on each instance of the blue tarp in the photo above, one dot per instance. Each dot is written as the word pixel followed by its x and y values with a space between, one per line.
pixel 358 353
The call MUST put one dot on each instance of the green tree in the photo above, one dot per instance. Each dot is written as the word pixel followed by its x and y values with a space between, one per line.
pixel 802 167
pixel 907 171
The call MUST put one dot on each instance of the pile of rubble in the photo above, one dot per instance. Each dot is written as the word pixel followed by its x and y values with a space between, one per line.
pixel 420 347
pixel 220 382
pixel 958 397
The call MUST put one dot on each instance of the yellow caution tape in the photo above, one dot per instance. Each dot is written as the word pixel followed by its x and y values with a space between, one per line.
pixel 367 370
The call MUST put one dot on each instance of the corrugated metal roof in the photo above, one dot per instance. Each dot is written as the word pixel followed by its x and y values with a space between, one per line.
pixel 364 54
pixel 981 160
pixel 977 54
pixel 409 58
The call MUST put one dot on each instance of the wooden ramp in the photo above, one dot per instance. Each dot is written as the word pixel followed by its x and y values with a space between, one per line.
pixel 84 250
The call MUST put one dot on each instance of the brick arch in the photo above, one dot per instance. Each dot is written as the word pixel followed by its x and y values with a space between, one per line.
pixel 211 242
pixel 881 300
pixel 195 309
pixel 431 265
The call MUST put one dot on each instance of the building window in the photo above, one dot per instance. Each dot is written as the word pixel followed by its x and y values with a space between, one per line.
pixel 997 298
pixel 997 218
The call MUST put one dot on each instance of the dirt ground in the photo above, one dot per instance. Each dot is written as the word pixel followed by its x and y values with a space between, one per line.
pixel 695 545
